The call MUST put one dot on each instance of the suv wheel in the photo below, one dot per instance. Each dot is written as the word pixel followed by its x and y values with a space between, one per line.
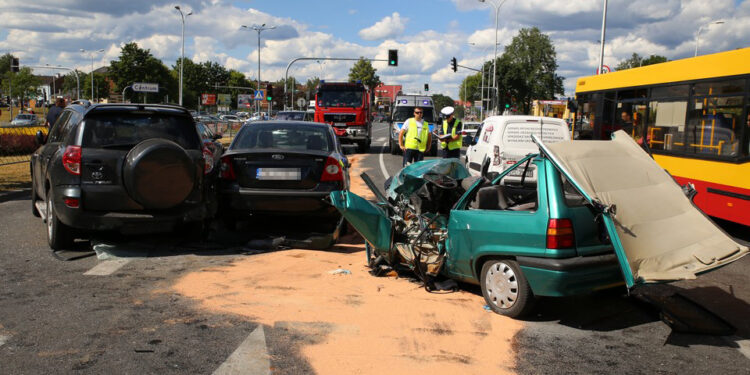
pixel 59 235
pixel 505 288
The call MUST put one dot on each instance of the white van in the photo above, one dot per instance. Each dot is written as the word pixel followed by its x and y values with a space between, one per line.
pixel 504 140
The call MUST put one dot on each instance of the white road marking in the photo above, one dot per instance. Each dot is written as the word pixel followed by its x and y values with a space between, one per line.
pixel 107 267
pixel 4 339
pixel 381 139
pixel 251 357
pixel 382 163
pixel 744 345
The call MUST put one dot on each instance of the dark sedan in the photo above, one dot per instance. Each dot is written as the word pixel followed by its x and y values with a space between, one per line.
pixel 283 171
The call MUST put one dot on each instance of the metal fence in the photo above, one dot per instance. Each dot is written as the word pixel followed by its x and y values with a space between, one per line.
pixel 17 143
pixel 227 129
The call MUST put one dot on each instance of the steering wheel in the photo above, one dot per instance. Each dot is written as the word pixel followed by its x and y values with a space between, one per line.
pixel 440 180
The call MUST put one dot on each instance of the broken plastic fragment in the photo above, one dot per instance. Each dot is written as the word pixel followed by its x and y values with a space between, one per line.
pixel 340 271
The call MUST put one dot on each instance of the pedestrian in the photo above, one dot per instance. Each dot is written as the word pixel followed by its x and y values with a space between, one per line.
pixel 450 138
pixel 55 112
pixel 415 138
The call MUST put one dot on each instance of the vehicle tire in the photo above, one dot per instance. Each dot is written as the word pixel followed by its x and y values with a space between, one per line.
pixel 59 235
pixel 159 174
pixel 394 147
pixel 505 288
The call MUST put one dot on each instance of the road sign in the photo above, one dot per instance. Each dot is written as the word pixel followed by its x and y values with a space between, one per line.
pixel 208 99
pixel 260 94
pixel 243 100
pixel 145 87
pixel 301 102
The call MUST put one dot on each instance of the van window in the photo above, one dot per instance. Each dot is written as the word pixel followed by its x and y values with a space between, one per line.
pixel 403 113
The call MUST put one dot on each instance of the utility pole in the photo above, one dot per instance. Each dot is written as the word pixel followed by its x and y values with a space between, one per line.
pixel 259 29
pixel 604 28
pixel 182 59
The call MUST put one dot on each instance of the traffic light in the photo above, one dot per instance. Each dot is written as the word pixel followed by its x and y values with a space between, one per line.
pixel 426 87
pixel 392 57
pixel 269 92
pixel 454 64
pixel 14 65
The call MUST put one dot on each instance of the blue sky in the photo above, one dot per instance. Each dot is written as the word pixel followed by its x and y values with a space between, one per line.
pixel 427 33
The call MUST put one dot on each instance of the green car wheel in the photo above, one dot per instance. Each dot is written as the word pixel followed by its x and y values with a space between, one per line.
pixel 505 288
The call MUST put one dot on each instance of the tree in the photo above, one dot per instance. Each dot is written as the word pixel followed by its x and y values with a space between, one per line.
pixel 138 65
pixel 24 83
pixel 439 101
pixel 527 69
pixel 69 84
pixel 101 85
pixel 200 78
pixel 311 85
pixel 238 79
pixel 363 71
pixel 636 61
pixel 469 89
pixel 5 63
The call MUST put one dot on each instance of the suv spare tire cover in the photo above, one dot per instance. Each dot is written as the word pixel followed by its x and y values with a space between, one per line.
pixel 158 173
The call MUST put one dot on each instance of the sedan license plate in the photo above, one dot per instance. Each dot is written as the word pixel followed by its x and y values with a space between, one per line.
pixel 339 124
pixel 278 174
pixel 518 172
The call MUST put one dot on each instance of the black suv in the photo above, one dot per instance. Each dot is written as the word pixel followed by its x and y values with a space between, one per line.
pixel 133 168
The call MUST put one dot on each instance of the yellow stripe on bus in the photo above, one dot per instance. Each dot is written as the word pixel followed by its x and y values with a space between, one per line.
pixel 723 64
pixel 730 174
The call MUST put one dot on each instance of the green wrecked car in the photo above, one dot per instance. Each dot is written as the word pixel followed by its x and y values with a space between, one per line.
pixel 598 215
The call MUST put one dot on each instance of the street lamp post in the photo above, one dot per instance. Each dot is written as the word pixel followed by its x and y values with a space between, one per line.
pixel 601 50
pixel 481 89
pixel 259 29
pixel 182 58
pixel 698 34
pixel 494 61
pixel 91 54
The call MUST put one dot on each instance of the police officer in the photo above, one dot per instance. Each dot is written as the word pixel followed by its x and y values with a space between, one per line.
pixel 451 136
pixel 415 138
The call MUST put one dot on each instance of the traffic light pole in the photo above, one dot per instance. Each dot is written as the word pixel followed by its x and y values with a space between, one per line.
pixel 286 75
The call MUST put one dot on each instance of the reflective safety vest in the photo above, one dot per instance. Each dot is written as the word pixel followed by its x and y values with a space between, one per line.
pixel 415 139
pixel 451 145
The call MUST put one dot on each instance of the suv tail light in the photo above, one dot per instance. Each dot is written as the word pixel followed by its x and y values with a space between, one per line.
pixel 71 160
pixel 332 171
pixel 208 160
pixel 560 234
pixel 227 170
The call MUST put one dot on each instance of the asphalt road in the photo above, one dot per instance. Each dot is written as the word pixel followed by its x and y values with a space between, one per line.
pixel 117 314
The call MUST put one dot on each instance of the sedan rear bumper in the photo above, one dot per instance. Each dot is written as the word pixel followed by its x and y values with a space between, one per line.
pixel 279 202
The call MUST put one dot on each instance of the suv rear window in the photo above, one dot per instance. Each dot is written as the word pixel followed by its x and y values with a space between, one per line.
pixel 123 129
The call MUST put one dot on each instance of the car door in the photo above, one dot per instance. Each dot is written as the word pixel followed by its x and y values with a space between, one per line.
pixel 475 232
pixel 46 154
pixel 659 235
pixel 476 154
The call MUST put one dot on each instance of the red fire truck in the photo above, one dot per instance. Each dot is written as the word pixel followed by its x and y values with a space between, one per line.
pixel 346 107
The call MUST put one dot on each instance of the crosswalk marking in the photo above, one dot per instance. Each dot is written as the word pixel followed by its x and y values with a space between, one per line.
pixel 107 267
pixel 251 357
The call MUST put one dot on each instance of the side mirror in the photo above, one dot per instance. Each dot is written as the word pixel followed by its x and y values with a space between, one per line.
pixel 40 138
pixel 475 140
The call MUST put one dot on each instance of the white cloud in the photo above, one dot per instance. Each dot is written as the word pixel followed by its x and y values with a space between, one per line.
pixel 389 27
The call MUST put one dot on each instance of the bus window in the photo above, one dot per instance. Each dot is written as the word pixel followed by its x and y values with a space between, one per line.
pixel 632 118
pixel 714 126
pixel 607 124
pixel 736 86
pixel 585 118
pixel 666 125
pixel 669 91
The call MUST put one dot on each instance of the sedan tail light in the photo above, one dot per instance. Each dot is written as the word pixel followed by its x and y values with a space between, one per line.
pixel 227 169
pixel 560 234
pixel 333 170
pixel 71 160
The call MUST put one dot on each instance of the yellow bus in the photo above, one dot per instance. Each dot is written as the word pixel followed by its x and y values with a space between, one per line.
pixel 693 115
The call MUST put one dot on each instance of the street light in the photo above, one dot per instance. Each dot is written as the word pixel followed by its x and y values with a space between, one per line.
pixel 91 54
pixel 698 34
pixel 259 29
pixel 601 50
pixel 182 59
pixel 494 61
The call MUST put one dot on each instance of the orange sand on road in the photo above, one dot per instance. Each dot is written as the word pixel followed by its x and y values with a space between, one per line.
pixel 372 325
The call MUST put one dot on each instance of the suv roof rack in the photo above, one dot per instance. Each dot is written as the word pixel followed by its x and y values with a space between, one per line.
pixel 82 102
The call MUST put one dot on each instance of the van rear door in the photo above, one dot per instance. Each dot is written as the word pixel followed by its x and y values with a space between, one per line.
pixel 515 142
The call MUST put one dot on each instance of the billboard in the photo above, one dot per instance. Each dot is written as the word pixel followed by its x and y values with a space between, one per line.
pixel 224 100
pixel 244 101
pixel 208 99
